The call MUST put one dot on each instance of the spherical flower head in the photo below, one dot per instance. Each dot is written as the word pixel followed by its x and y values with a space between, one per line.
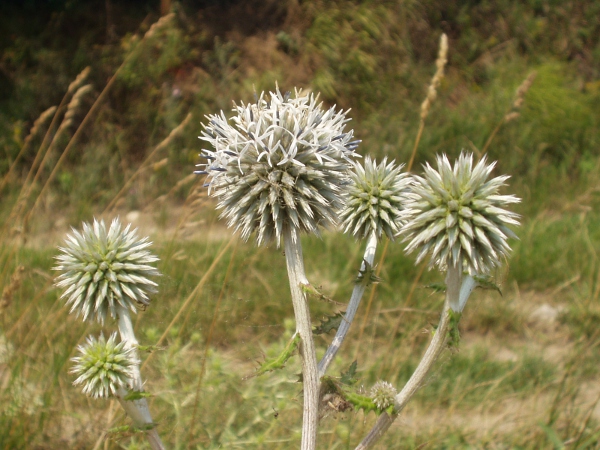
pixel 103 366
pixel 104 270
pixel 383 395
pixel 457 216
pixel 375 199
pixel 279 162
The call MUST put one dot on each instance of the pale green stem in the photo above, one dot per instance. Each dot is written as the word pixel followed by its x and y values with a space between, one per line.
pixel 310 376
pixel 453 284
pixel 136 409
pixel 357 293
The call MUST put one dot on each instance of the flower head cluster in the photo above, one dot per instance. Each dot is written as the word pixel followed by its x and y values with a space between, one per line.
pixel 281 162
pixel 383 394
pixel 104 366
pixel 375 199
pixel 103 270
pixel 457 215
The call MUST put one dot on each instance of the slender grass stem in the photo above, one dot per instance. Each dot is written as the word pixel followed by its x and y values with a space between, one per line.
pixel 357 294
pixel 453 283
pixel 310 374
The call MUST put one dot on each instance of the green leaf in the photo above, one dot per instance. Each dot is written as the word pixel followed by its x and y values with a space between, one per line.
pixel 331 323
pixel 136 395
pixel 367 275
pixel 349 377
pixel 312 291
pixel 279 361
pixel 453 331
pixel 437 287
pixel 486 282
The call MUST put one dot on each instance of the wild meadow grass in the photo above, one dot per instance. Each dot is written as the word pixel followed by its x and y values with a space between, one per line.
pixel 520 378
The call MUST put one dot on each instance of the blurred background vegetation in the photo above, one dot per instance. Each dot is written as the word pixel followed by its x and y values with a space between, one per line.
pixel 124 139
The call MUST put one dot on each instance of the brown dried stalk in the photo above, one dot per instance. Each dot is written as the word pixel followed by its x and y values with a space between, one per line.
pixel 514 110
pixel 440 63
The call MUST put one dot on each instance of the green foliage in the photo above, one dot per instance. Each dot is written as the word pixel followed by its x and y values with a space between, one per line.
pixel 329 324
pixel 279 362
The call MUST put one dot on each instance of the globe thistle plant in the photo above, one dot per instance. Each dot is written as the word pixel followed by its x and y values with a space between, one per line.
pixel 383 394
pixel 458 217
pixel 279 162
pixel 375 199
pixel 105 270
pixel 104 366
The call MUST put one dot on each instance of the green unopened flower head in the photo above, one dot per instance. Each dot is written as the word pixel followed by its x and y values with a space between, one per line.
pixel 102 270
pixel 103 366
pixel 383 394
pixel 281 161
pixel 375 199
pixel 458 217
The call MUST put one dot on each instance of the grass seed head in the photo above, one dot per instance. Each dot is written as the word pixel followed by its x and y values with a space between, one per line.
pixel 456 215
pixel 375 199
pixel 103 270
pixel 103 366
pixel 279 162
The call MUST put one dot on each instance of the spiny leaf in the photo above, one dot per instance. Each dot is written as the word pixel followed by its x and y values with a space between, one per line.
pixel 349 376
pixel 486 282
pixel 453 331
pixel 365 403
pixel 278 362
pixel 312 291
pixel 437 287
pixel 149 348
pixel 331 323
pixel 367 275
pixel 136 395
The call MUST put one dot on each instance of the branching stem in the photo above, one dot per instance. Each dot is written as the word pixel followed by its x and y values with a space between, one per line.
pixel 136 409
pixel 453 283
pixel 357 293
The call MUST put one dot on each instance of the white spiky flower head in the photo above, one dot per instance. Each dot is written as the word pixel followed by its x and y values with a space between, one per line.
pixel 103 270
pixel 281 161
pixel 457 215
pixel 375 199
pixel 383 394
pixel 103 366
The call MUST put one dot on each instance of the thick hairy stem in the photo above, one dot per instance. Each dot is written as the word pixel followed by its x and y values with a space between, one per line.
pixel 357 293
pixel 453 283
pixel 295 268
pixel 136 409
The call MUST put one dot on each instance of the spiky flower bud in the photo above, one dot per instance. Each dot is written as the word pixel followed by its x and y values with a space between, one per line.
pixel 104 270
pixel 281 162
pixel 375 199
pixel 103 366
pixel 383 394
pixel 457 216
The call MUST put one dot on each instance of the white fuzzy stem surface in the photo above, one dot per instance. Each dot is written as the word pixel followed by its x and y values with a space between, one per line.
pixel 310 376
pixel 138 409
pixel 357 293
pixel 453 283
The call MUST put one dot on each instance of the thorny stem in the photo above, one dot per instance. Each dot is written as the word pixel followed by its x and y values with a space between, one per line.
pixel 310 376
pixel 357 293
pixel 136 409
pixel 453 283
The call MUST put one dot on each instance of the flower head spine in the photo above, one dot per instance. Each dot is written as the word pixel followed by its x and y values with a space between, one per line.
pixel 383 394
pixel 104 366
pixel 457 216
pixel 103 270
pixel 281 161
pixel 375 199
